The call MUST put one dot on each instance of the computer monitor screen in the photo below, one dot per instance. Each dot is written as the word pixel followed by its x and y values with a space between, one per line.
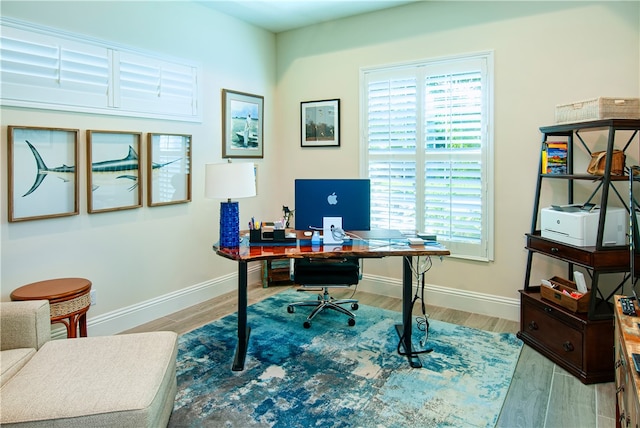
pixel 346 198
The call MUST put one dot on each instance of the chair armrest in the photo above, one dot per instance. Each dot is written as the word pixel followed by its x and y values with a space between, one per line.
pixel 25 324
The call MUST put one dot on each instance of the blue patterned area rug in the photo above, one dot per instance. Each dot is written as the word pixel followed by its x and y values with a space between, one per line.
pixel 333 375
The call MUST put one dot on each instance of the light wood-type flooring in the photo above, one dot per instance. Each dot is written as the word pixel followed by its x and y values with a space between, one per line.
pixel 542 395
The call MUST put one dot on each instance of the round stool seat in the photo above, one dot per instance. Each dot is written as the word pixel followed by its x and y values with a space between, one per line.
pixel 69 300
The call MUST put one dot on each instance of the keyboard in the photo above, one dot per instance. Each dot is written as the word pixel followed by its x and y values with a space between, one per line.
pixel 627 306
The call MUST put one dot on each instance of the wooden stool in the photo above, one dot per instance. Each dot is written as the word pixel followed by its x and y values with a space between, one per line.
pixel 69 300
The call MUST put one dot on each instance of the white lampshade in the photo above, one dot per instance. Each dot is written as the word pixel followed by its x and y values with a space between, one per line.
pixel 229 180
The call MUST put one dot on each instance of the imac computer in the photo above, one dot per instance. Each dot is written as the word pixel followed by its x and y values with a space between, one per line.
pixel 316 199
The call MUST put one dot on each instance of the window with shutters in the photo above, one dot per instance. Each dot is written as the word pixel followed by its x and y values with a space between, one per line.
pixel 45 68
pixel 428 150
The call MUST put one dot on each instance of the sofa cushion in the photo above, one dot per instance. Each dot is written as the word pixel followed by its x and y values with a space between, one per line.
pixel 125 380
pixel 12 360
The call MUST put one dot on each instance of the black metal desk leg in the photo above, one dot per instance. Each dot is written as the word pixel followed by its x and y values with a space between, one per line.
pixel 243 329
pixel 404 330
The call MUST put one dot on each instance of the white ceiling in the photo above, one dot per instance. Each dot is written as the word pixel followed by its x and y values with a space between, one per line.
pixel 282 15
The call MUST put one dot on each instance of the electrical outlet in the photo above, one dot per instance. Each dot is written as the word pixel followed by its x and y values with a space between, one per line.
pixel 92 293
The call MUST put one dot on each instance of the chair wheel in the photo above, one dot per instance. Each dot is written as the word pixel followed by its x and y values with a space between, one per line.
pixel 290 309
pixel 354 306
pixel 306 324
pixel 352 322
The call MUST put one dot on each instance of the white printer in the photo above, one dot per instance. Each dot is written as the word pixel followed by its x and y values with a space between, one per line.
pixel 580 227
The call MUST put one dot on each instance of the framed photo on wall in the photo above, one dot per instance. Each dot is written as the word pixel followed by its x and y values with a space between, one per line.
pixel 242 125
pixel 168 169
pixel 320 123
pixel 42 172
pixel 114 181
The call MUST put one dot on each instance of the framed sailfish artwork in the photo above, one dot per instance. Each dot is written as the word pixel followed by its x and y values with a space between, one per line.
pixel 114 180
pixel 168 169
pixel 42 172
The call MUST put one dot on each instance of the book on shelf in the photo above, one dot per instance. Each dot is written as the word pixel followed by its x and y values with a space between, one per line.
pixel 554 157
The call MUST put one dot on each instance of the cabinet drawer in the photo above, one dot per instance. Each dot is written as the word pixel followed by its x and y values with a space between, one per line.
pixel 614 259
pixel 546 326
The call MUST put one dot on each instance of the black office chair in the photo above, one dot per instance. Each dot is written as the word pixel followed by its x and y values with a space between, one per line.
pixel 320 275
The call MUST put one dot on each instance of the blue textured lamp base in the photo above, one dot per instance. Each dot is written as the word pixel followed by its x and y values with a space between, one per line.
pixel 229 225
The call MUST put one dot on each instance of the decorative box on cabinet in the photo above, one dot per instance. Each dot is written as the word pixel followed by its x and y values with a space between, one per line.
pixel 582 347
pixel 627 341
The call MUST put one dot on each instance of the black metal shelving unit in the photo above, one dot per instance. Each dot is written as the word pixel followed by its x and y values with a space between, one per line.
pixel 581 343
pixel 599 259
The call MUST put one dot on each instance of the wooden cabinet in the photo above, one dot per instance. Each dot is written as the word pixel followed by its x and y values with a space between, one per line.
pixel 275 272
pixel 582 347
pixel 627 341
pixel 580 343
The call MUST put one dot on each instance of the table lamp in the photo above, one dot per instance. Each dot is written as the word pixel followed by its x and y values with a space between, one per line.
pixel 226 181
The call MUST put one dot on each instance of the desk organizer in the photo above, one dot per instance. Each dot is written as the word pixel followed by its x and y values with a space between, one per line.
pixel 556 295
pixel 269 236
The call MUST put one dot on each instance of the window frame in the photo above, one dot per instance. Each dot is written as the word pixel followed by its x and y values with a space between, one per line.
pixel 484 251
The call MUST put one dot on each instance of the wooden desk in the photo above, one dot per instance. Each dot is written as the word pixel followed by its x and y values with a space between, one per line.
pixel 373 244
pixel 69 300
pixel 627 342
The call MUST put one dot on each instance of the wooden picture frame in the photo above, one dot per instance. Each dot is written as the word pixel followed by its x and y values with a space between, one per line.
pixel 114 180
pixel 168 169
pixel 42 172
pixel 242 125
pixel 320 123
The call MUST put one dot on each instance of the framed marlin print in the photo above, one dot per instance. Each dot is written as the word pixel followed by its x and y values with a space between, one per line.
pixel 114 181
pixel 42 172
pixel 242 125
pixel 168 169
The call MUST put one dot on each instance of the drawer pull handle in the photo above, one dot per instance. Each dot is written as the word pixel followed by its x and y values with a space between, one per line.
pixel 548 310
pixel 568 346
pixel 555 249
pixel 533 325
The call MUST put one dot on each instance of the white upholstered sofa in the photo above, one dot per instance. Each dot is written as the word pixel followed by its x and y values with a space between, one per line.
pixel 120 381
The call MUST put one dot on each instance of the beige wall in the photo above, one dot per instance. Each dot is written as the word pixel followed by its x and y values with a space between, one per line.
pixel 136 255
pixel 546 53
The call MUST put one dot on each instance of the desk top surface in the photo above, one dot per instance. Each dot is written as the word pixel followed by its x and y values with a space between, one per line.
pixel 365 244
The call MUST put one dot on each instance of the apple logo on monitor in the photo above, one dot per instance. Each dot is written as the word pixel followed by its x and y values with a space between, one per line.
pixel 332 199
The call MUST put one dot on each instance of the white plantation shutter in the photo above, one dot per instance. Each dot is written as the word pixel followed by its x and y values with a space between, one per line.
pixel 428 151
pixel 45 68
pixel 392 123
pixel 152 85
pixel 40 69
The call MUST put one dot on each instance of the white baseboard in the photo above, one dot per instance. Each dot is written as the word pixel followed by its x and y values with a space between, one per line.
pixel 132 316
pixel 468 301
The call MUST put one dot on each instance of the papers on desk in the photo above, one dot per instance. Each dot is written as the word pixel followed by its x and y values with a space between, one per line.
pixel 434 247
